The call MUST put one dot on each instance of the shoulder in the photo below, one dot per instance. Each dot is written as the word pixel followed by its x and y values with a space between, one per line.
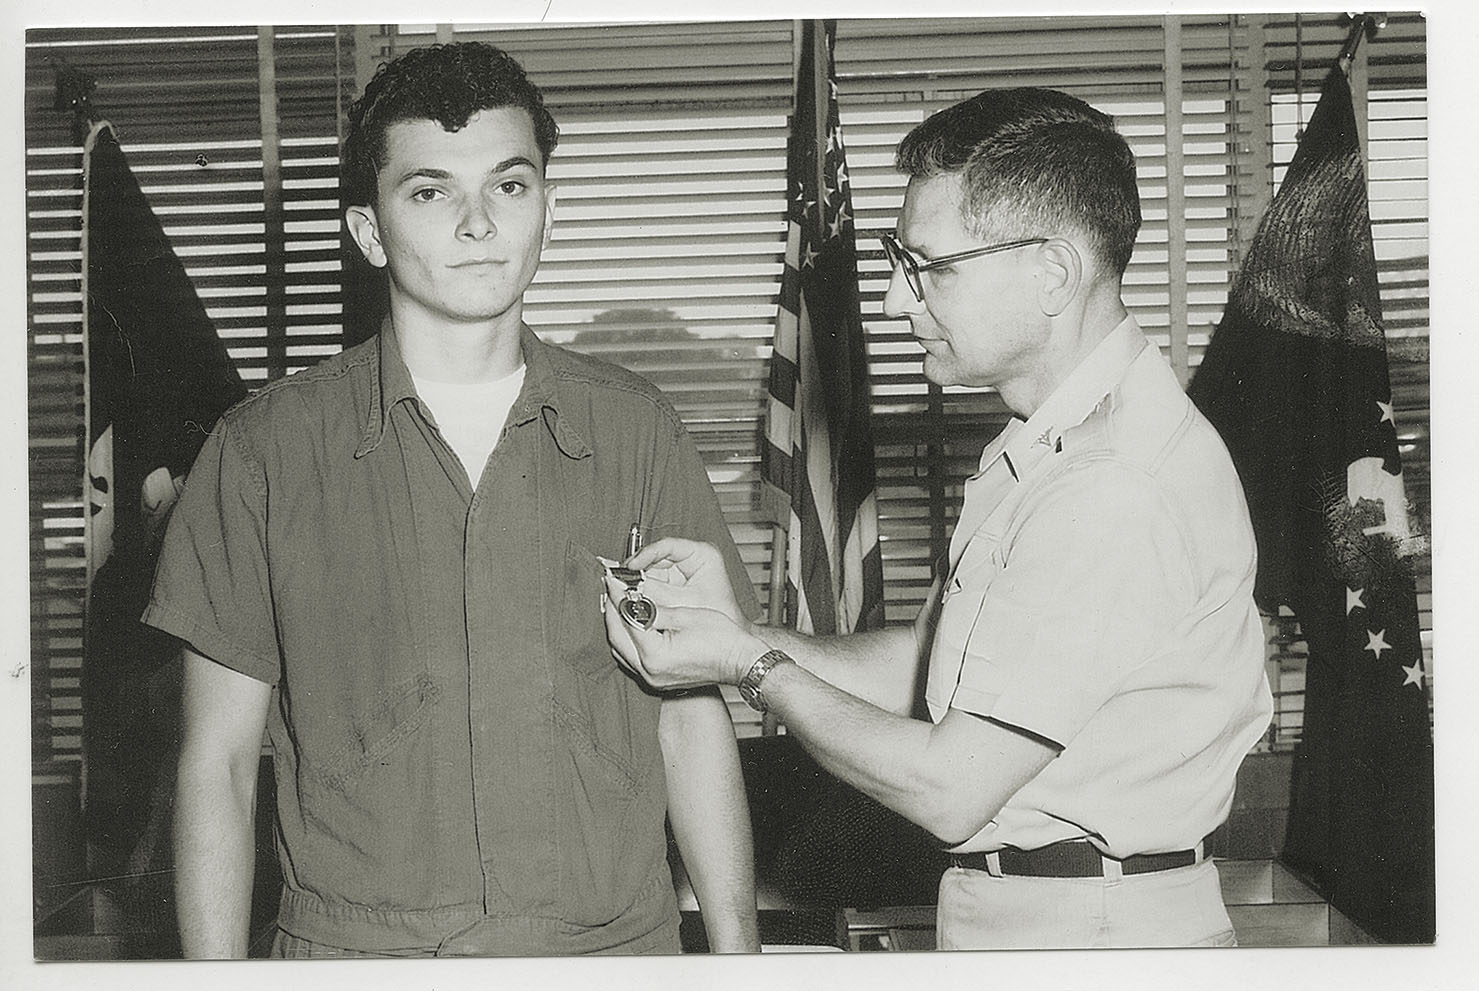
pixel 607 390
pixel 1146 461
pixel 298 417
pixel 1148 423
pixel 1111 472
pixel 335 380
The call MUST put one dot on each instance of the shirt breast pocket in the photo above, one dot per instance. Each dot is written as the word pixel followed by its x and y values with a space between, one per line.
pixel 961 601
pixel 603 706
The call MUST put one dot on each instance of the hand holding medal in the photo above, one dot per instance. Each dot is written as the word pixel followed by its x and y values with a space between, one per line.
pixel 635 609
pixel 680 625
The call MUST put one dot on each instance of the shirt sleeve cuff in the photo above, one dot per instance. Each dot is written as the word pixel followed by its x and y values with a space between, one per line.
pixel 1037 720
pixel 210 643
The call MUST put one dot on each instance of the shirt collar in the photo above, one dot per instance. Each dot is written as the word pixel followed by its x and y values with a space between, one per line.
pixel 540 395
pixel 1022 444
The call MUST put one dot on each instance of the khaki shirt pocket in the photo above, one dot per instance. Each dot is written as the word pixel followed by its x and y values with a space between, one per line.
pixel 961 600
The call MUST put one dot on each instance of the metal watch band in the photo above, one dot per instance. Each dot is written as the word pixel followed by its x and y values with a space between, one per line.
pixel 749 685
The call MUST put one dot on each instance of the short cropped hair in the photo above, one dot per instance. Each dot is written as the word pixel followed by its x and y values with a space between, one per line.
pixel 1034 163
pixel 444 83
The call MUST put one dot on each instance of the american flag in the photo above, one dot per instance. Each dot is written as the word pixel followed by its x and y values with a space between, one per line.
pixel 818 455
pixel 1296 381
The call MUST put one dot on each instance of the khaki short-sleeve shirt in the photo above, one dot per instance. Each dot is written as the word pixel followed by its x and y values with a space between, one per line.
pixel 1100 596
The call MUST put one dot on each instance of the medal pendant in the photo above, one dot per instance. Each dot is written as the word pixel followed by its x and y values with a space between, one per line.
pixel 637 611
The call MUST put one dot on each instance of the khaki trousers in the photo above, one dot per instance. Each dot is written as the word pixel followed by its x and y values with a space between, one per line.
pixel 1182 907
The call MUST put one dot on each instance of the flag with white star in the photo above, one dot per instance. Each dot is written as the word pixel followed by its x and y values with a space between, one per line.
pixel 1296 381
pixel 818 453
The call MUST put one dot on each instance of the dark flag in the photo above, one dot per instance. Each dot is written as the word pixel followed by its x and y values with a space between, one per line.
pixel 818 453
pixel 1296 381
pixel 156 380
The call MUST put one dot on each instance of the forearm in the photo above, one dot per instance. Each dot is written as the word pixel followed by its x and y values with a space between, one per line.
pixel 883 754
pixel 710 816
pixel 882 667
pixel 950 777
pixel 214 846
pixel 222 714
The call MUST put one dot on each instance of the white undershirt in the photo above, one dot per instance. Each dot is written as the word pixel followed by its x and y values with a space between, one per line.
pixel 471 416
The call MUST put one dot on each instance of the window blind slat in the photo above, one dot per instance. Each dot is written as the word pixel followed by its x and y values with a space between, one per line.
pixel 670 222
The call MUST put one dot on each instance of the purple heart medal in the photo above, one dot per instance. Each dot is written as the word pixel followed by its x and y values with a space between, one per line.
pixel 636 610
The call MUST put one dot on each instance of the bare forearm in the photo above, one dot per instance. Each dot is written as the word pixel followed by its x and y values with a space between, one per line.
pixel 222 716
pixel 882 667
pixel 214 858
pixel 710 817
pixel 950 777
pixel 880 753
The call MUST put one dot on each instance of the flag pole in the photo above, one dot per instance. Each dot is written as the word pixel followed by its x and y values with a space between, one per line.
pixel 88 526
pixel 73 94
pixel 1354 69
pixel 74 89
pixel 1362 26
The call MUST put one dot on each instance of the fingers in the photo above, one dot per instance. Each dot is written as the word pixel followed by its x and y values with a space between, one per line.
pixel 629 646
pixel 615 589
pixel 622 646
pixel 667 594
pixel 688 556
pixel 663 619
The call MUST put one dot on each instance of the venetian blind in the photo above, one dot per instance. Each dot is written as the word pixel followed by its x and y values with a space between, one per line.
pixel 248 196
pixel 670 226
pixel 1194 190
pixel 669 223
pixel 669 230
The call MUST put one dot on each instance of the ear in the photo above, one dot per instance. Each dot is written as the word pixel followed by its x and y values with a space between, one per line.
pixel 550 189
pixel 1063 275
pixel 364 227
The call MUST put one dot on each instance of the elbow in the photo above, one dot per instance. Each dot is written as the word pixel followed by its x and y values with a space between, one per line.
pixel 954 829
pixel 953 816
pixel 217 779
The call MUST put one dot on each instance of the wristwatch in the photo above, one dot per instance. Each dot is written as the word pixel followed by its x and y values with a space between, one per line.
pixel 749 685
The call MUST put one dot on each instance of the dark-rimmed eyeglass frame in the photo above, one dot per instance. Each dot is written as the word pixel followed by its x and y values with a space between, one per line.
pixel 901 257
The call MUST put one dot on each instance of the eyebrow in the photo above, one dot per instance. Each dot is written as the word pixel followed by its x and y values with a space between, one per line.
pixel 428 172
pixel 919 253
pixel 913 249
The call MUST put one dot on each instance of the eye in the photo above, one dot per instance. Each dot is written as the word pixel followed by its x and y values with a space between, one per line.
pixel 427 194
pixel 512 187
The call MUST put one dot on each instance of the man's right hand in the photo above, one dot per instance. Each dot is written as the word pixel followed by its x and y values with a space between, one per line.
pixel 687 573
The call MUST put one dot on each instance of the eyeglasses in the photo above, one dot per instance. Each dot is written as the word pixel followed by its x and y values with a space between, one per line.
pixel 900 257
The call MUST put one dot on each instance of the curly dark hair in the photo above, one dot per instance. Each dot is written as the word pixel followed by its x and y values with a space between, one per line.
pixel 1033 163
pixel 444 83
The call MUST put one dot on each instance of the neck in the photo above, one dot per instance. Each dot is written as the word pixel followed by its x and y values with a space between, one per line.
pixel 1074 334
pixel 458 353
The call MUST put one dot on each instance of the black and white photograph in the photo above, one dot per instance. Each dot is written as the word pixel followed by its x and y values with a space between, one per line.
pixel 812 494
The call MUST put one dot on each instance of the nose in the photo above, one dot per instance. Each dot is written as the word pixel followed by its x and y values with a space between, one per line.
pixel 477 221
pixel 898 299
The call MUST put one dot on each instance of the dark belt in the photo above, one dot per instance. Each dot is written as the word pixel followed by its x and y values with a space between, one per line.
pixel 1076 858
